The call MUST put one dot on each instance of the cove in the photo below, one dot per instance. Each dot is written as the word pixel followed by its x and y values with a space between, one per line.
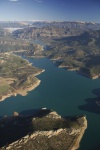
pixel 65 92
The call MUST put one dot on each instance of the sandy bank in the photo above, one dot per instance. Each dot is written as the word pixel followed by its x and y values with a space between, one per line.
pixel 21 91
pixel 21 81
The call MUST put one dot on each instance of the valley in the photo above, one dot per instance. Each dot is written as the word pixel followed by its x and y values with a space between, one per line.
pixel 70 45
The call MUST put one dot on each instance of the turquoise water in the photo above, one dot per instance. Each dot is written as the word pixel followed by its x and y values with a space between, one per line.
pixel 65 92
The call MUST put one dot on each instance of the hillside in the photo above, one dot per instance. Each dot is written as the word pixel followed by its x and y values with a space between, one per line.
pixel 44 130
pixel 55 29
pixel 74 45
pixel 81 53
pixel 9 43
pixel 68 24
pixel 17 76
pixel 45 32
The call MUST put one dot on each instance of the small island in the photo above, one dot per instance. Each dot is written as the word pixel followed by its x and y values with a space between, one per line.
pixel 17 76
pixel 44 129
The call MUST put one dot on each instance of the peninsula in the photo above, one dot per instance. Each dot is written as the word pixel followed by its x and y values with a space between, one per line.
pixel 17 76
pixel 44 130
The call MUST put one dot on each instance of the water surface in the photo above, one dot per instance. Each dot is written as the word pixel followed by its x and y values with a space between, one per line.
pixel 65 92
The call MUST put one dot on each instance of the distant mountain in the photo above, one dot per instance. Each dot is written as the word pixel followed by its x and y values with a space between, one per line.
pixel 81 53
pixel 55 29
pixel 87 38
pixel 9 43
pixel 49 32
pixel 14 24
pixel 75 45
pixel 66 24
pixel 40 24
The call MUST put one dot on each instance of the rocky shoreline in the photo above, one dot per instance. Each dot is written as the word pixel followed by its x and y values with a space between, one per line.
pixel 22 80
pixel 69 68
pixel 80 72
pixel 48 131
pixel 22 92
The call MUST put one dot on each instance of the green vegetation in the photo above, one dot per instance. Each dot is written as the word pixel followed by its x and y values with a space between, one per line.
pixel 16 75
pixel 72 44
pixel 42 130
pixel 52 123
pixel 77 52
pixel 80 52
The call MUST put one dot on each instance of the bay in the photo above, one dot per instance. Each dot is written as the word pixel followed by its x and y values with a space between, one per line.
pixel 65 92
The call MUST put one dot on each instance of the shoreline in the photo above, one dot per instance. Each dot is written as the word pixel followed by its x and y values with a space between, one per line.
pixel 22 92
pixel 68 135
pixel 20 86
pixel 77 69
pixel 28 89
pixel 76 143
pixel 80 72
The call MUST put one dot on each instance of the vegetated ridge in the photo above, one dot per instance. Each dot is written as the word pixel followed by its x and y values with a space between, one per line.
pixel 17 76
pixel 73 45
pixel 44 130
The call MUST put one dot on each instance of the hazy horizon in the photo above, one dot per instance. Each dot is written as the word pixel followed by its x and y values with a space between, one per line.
pixel 50 10
pixel 48 21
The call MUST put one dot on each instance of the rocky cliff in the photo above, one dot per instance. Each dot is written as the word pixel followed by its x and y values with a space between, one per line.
pixel 55 29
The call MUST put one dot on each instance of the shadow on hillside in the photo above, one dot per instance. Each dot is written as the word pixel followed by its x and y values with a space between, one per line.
pixel 35 112
pixel 15 127
pixel 91 105
pixel 70 38
pixel 82 74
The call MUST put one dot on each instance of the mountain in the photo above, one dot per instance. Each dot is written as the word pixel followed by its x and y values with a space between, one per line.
pixel 55 29
pixel 80 53
pixel 74 45
pixel 67 24
pixel 45 32
pixel 9 43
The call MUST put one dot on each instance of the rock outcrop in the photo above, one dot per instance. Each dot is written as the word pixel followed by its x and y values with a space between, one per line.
pixel 46 130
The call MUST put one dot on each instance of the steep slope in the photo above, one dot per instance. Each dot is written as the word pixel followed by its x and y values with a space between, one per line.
pixel 71 48
pixel 55 29
pixel 78 53
pixel 45 32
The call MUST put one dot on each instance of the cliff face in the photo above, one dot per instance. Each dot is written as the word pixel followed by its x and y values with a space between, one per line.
pixel 45 32
pixel 55 29
pixel 48 130
pixel 73 24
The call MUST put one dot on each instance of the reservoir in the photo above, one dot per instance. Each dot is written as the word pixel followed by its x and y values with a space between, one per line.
pixel 66 92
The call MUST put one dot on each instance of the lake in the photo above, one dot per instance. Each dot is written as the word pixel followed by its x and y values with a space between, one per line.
pixel 66 92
